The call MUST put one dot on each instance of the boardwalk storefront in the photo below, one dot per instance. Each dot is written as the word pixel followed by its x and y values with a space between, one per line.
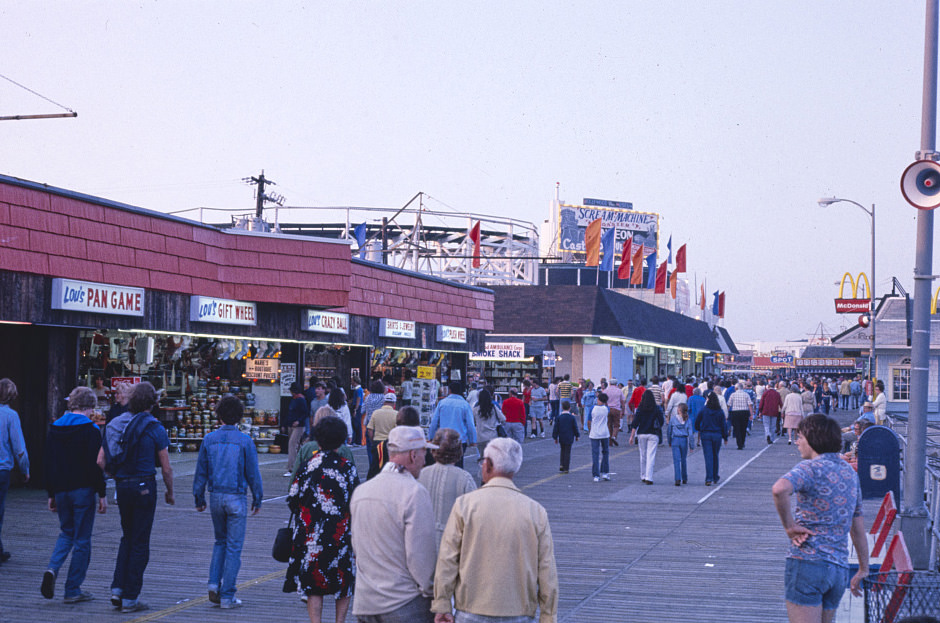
pixel 598 333
pixel 93 288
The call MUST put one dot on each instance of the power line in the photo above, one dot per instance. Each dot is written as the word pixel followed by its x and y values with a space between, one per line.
pixel 71 113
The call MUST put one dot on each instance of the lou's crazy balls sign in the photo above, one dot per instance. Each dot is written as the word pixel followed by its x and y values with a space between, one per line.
pixel 101 298
pixel 854 305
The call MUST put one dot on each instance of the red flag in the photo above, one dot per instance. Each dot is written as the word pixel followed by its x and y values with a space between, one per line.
pixel 721 305
pixel 592 243
pixel 623 272
pixel 636 278
pixel 680 259
pixel 475 238
pixel 674 278
pixel 660 286
pixel 702 302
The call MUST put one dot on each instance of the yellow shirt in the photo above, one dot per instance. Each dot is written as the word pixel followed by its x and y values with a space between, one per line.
pixel 497 557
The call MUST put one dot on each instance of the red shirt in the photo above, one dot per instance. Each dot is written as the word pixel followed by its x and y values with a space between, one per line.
pixel 527 395
pixel 635 398
pixel 514 410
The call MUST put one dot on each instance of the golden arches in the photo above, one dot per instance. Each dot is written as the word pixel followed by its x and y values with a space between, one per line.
pixel 933 302
pixel 854 285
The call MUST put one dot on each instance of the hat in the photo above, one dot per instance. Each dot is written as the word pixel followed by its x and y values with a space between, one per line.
pixel 405 438
pixel 868 404
pixel 390 397
pixel 866 417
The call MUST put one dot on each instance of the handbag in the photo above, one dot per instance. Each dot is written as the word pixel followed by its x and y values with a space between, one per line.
pixel 501 431
pixel 283 542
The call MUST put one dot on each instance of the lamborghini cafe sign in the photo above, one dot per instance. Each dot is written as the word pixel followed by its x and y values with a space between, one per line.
pixel 854 305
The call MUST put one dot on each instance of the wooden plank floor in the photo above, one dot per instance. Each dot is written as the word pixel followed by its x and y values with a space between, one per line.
pixel 625 551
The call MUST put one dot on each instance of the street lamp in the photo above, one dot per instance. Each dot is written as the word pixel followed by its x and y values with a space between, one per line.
pixel 828 201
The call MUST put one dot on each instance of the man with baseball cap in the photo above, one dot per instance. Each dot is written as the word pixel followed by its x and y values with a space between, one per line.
pixel 393 536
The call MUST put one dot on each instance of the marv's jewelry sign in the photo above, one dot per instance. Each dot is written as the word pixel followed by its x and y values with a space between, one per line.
pixel 389 327
pixel 86 296
pixel 224 311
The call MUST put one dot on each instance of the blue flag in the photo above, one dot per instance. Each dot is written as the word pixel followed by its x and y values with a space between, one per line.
pixel 360 234
pixel 715 304
pixel 651 264
pixel 669 246
pixel 607 243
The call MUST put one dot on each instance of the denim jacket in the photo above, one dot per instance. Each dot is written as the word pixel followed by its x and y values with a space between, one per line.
pixel 228 463
pixel 12 445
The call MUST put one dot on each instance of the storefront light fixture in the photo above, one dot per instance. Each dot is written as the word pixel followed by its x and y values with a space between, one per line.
pixel 13 322
pixel 625 341
pixel 430 350
pixel 214 336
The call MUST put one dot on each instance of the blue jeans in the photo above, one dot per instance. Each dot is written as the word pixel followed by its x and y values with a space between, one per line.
pixel 680 450
pixel 76 510
pixel 229 513
pixel 516 431
pixel 815 582
pixel 4 487
pixel 137 501
pixel 600 447
pixel 711 446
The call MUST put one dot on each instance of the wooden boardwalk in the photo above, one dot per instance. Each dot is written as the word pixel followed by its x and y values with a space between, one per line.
pixel 625 551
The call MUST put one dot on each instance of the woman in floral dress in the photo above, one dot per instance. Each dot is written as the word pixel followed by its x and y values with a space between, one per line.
pixel 322 561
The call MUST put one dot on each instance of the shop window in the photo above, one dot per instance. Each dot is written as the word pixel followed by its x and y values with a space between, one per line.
pixel 900 384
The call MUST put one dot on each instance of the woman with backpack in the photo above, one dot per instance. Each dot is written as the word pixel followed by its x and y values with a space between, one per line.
pixel 486 417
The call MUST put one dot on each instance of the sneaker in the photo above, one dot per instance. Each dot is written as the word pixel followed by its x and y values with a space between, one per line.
pixel 137 606
pixel 717 478
pixel 116 600
pixel 678 483
pixel 708 483
pixel 542 435
pixel 532 436
pixel 597 478
pixel 286 474
pixel 605 476
pixel 234 603
pixel 768 440
pixel 82 596
pixel 47 588
pixel 214 596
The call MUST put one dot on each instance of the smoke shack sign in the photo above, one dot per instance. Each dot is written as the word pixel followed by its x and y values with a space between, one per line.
pixel 86 296
pixel 507 351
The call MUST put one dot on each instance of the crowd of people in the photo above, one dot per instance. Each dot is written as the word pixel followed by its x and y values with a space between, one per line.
pixel 412 539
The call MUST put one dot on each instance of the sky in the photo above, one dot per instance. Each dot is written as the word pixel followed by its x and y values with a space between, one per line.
pixel 729 118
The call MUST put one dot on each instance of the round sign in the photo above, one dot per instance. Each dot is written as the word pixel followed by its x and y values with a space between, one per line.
pixel 920 184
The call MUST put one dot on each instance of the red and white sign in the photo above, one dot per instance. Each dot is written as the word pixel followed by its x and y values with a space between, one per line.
pixel 457 335
pixel 131 380
pixel 852 306
pixel 325 322
pixel 224 311
pixel 86 296
pixel 389 327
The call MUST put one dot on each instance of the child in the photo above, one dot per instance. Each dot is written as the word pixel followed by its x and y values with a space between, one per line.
pixel 564 433
pixel 679 433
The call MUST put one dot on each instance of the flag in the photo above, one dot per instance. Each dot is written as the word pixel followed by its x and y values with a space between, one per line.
pixel 651 268
pixel 701 302
pixel 661 279
pixel 715 304
pixel 475 238
pixel 680 260
pixel 636 279
pixel 623 272
pixel 721 305
pixel 669 246
pixel 592 243
pixel 673 279
pixel 360 234
pixel 607 241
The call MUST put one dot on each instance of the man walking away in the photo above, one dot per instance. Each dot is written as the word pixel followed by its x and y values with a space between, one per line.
pixel 73 478
pixel 742 410
pixel 12 448
pixel 228 464
pixel 393 536
pixel 497 559
pixel 514 410
pixel 454 411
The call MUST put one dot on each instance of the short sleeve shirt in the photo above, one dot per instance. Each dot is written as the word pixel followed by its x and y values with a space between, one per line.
pixel 538 400
pixel 828 498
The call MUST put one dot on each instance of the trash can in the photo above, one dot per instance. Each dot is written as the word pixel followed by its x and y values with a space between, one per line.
pixel 891 597
pixel 879 463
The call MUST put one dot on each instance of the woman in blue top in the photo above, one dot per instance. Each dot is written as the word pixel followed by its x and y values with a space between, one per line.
pixel 679 433
pixel 712 427
pixel 588 400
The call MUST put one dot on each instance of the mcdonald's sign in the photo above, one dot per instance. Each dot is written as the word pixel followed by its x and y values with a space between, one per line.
pixel 933 302
pixel 854 305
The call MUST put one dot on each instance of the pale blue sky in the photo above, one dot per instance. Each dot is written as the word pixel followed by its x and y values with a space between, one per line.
pixel 728 118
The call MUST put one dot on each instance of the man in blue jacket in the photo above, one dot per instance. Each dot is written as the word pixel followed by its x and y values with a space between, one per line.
pixel 228 463
pixel 454 412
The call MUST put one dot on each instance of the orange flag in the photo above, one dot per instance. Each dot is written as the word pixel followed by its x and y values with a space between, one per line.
pixel 673 279
pixel 636 278
pixel 702 302
pixel 680 259
pixel 592 243
pixel 660 285
pixel 623 272
pixel 475 238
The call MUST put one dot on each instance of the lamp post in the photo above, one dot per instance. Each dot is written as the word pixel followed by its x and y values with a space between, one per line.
pixel 828 201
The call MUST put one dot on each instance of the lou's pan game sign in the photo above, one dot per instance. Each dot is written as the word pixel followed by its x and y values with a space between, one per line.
pixel 102 298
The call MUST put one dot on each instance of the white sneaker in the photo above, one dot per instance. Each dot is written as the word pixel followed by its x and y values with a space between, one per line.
pixel 542 435
pixel 605 476
pixel 532 436
pixel 597 479
pixel 286 474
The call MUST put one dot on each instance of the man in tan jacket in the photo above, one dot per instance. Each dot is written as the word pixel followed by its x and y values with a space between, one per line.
pixel 497 558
